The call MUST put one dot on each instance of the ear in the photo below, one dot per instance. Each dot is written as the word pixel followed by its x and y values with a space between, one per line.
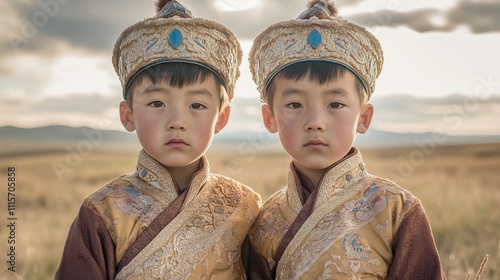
pixel 365 119
pixel 222 119
pixel 268 118
pixel 127 116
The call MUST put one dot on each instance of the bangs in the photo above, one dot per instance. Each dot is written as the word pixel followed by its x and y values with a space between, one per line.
pixel 318 71
pixel 176 74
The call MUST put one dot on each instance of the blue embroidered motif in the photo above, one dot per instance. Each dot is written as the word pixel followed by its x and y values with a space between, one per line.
pixel 175 38
pixel 132 192
pixel 144 173
pixel 372 190
pixel 291 45
pixel 355 246
pixel 314 38
pixel 151 45
pixel 174 8
pixel 340 45
pixel 200 44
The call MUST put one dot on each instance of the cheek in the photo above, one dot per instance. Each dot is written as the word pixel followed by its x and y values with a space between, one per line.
pixel 285 126
pixel 288 129
pixel 286 121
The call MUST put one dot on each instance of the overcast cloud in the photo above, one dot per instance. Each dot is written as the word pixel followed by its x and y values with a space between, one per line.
pixel 38 26
pixel 477 16
pixel 55 55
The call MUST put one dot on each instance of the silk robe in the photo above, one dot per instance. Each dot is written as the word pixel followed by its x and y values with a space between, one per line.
pixel 139 227
pixel 352 226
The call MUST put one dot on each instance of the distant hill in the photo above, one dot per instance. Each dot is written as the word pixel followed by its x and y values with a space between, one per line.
pixel 15 140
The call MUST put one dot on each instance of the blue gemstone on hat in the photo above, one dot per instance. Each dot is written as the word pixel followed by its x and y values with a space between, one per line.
pixel 314 38
pixel 175 38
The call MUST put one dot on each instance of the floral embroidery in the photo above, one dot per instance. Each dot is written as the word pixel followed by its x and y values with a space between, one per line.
pixel 372 202
pixel 355 246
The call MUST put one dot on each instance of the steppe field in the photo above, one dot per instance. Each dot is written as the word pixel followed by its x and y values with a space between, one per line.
pixel 458 185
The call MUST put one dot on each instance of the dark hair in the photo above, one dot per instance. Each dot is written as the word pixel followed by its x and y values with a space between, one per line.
pixel 320 71
pixel 177 74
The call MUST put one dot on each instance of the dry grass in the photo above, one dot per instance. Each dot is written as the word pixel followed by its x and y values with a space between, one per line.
pixel 459 187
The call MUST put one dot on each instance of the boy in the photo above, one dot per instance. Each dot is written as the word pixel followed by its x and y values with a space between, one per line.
pixel 171 218
pixel 333 220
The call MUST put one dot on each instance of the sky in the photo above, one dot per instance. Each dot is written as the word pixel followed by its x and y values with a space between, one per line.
pixel 441 60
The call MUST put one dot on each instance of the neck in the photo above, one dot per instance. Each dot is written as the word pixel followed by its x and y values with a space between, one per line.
pixel 184 175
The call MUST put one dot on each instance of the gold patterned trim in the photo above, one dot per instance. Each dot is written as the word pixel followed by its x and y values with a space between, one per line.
pixel 289 258
pixel 345 173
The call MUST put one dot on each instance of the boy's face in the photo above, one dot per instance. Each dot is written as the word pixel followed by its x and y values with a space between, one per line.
pixel 317 123
pixel 175 125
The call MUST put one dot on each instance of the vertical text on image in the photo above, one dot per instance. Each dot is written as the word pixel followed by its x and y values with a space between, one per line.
pixel 11 218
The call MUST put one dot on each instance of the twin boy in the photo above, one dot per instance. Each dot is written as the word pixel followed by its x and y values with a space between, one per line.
pixel 172 218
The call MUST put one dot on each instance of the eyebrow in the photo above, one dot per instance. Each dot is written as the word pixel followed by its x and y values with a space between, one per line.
pixel 333 91
pixel 201 91
pixel 154 88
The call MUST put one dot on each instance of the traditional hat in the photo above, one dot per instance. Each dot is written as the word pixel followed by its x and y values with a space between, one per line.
pixel 174 35
pixel 318 34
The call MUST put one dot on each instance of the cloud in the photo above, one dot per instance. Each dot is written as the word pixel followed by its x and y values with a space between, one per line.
pixel 37 26
pixel 44 26
pixel 478 16
pixel 40 26
pixel 455 114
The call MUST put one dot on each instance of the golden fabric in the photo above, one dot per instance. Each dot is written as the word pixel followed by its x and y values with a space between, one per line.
pixel 203 240
pixel 349 234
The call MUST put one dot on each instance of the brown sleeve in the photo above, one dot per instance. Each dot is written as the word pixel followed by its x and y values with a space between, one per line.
pixel 414 249
pixel 89 252
pixel 256 266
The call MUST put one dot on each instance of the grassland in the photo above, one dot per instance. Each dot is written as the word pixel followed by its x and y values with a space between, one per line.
pixel 458 185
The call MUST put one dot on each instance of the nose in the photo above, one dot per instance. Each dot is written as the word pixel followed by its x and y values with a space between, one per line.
pixel 315 120
pixel 176 119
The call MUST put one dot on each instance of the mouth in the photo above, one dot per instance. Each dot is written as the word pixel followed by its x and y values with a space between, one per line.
pixel 315 143
pixel 176 142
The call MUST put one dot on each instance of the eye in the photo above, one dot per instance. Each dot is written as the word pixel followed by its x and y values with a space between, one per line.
pixel 156 104
pixel 294 105
pixel 197 106
pixel 335 105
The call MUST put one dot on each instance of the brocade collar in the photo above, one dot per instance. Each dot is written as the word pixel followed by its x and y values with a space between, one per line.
pixel 163 185
pixel 336 179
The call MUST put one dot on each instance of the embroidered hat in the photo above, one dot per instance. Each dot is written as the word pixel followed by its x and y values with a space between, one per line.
pixel 318 34
pixel 174 35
